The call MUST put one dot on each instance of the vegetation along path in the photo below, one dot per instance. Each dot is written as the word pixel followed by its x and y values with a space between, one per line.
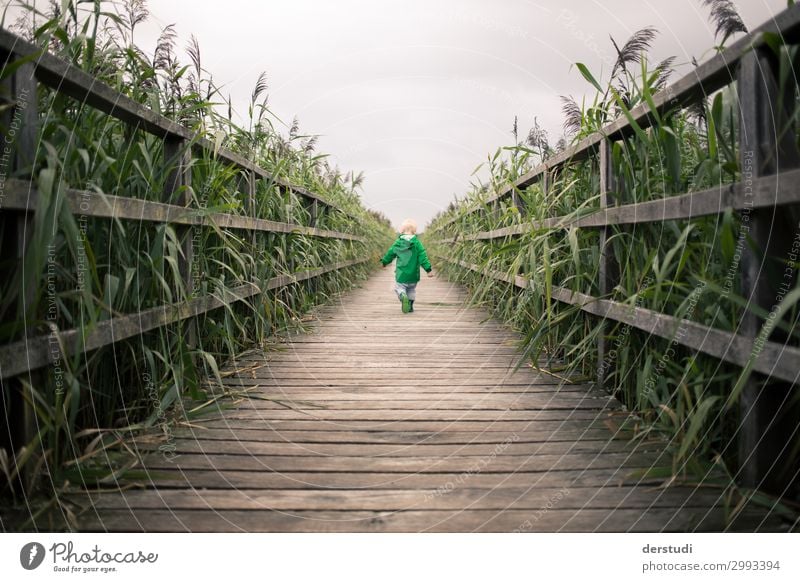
pixel 379 421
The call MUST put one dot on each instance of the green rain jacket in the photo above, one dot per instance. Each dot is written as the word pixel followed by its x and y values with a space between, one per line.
pixel 410 256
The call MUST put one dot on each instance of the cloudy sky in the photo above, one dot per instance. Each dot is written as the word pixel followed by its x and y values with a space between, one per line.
pixel 416 93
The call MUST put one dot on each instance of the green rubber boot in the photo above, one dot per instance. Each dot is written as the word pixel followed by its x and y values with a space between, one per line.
pixel 410 305
pixel 404 303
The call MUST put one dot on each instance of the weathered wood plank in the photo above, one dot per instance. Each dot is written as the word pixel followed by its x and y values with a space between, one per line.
pixel 290 447
pixel 22 195
pixel 233 423
pixel 384 416
pixel 555 434
pixel 171 478
pixel 764 192
pixel 357 464
pixel 540 520
pixel 504 498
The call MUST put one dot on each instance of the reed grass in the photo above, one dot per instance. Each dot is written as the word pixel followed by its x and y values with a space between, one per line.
pixel 85 270
pixel 688 268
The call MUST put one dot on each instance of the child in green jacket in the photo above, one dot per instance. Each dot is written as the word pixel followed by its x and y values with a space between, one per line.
pixel 410 255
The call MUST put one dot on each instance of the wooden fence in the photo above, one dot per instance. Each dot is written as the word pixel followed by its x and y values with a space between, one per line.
pixel 20 197
pixel 774 184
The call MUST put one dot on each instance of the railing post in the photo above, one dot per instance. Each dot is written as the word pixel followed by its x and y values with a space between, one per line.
pixel 314 211
pixel 606 268
pixel 313 214
pixel 766 148
pixel 250 200
pixel 178 191
pixel 17 157
pixel 546 182
pixel 518 202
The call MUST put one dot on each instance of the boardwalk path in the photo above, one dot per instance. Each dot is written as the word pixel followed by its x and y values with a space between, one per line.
pixel 380 421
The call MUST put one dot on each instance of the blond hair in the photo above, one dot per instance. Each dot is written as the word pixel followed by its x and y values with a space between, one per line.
pixel 409 226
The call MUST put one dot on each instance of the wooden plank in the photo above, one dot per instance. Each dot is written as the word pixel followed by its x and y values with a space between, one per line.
pixel 357 464
pixel 764 192
pixel 180 478
pixel 432 415
pixel 553 520
pixel 442 377
pixel 19 125
pixel 441 399
pixel 232 423
pixel 500 499
pixel 408 407
pixel 606 272
pixel 361 436
pixel 22 195
pixel 419 385
pixel 178 191
pixel 292 448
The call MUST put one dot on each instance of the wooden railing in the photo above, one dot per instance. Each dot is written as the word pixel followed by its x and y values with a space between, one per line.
pixel 20 200
pixel 774 184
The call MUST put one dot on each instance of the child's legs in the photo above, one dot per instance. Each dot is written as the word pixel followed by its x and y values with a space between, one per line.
pixel 410 289
pixel 399 288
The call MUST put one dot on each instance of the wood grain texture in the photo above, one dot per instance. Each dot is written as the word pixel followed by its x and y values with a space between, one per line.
pixel 376 420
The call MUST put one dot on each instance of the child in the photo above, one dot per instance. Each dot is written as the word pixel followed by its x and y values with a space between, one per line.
pixel 410 256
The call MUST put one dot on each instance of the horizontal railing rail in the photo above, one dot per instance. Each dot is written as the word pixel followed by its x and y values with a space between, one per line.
pixel 37 352
pixel 775 359
pixel 763 192
pixel 23 195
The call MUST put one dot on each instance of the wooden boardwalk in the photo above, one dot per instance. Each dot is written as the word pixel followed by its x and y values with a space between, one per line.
pixel 380 421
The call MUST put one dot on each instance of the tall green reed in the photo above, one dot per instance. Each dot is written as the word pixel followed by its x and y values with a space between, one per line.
pixel 86 270
pixel 685 268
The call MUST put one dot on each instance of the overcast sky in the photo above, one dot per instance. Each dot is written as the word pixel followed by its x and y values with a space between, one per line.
pixel 416 93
